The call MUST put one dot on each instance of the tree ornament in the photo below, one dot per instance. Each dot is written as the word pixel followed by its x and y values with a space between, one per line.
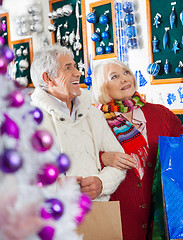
pixel 128 7
pixel 166 67
pixel 9 127
pixel 181 17
pixel 80 217
pixel 85 203
pixel 100 50
pixel 10 161
pixel 47 174
pixel 8 54
pixel 47 233
pixel 153 69
pixel 41 140
pixel 175 47
pixel 132 43
pixel 131 31
pixel 103 19
pixel 88 80
pixel 95 37
pixel 156 20
pixel 165 37
pixel 172 18
pixel 155 43
pixel 3 65
pixel 91 17
pixel 53 208
pixel 63 163
pixel 179 69
pixel 129 19
pixel 15 99
pixel 38 115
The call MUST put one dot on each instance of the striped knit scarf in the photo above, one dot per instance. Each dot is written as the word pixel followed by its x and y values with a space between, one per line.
pixel 128 136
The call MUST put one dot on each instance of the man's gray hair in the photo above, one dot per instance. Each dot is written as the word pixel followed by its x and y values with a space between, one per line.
pixel 46 60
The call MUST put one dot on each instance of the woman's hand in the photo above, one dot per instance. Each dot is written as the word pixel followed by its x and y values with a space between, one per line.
pixel 118 160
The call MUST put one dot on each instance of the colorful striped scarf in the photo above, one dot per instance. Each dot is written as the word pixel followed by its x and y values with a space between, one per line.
pixel 128 136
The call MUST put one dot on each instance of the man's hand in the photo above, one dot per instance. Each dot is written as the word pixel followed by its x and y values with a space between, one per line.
pixel 91 186
pixel 121 161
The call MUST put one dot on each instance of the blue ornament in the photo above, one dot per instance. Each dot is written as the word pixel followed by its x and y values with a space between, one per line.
pixel 120 33
pixel 108 49
pixel 155 45
pixel 100 50
pixel 132 43
pixel 119 24
pixel 130 31
pixel 153 69
pixel 119 16
pixel 181 17
pixel 165 38
pixel 175 46
pixel 129 19
pixel 180 94
pixel 172 18
pixel 91 17
pixel 105 35
pixel 103 19
pixel 128 7
pixel 142 80
pixel 118 6
pixel 179 69
pixel 156 20
pixel 166 67
pixel 88 80
pixel 95 37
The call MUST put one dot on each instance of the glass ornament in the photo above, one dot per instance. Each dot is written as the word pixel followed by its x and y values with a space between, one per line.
pixel 100 50
pixel 47 174
pixel 179 69
pixel 103 19
pixel 3 65
pixel 156 20
pixel 105 35
pixel 85 203
pixel 132 43
pixel 166 67
pixel 7 53
pixel 128 7
pixel 10 161
pixel 80 217
pixel 15 99
pixel 46 233
pixel 63 162
pixel 41 140
pixel 172 18
pixel 129 19
pixel 165 38
pixel 2 41
pixel 53 208
pixel 153 69
pixel 155 43
pixel 175 47
pixel 131 31
pixel 91 17
pixel 95 37
pixel 38 115
pixel 9 127
pixel 181 17
pixel 108 49
pixel 88 80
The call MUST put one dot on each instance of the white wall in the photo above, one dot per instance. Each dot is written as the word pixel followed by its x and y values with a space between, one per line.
pixel 138 58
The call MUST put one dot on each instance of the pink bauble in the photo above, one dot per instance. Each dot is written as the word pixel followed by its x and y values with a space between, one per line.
pixel 85 203
pixel 53 208
pixel 3 65
pixel 3 26
pixel 46 233
pixel 80 217
pixel 48 174
pixel 41 140
pixel 15 99
pixel 2 41
pixel 9 127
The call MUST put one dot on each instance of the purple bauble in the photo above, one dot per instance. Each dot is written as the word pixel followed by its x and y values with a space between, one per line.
pixel 10 161
pixel 3 65
pixel 53 208
pixel 8 54
pixel 63 163
pixel 41 140
pixel 48 174
pixel 85 203
pixel 80 217
pixel 9 127
pixel 2 41
pixel 15 99
pixel 3 26
pixel 46 233
pixel 38 115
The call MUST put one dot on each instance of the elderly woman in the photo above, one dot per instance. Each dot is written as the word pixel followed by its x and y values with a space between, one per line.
pixel 136 125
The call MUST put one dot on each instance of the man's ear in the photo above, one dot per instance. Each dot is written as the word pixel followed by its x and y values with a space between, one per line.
pixel 48 80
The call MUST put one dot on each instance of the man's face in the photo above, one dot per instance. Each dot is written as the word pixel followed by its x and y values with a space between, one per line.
pixel 67 81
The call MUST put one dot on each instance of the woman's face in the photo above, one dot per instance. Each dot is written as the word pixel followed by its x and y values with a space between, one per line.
pixel 120 84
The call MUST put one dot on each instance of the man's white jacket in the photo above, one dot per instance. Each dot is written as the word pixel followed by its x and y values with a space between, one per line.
pixel 82 139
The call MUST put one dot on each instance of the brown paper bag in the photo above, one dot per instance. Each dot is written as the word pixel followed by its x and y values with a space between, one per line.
pixel 103 222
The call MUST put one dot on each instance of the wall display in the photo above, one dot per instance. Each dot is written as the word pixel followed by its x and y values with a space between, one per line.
pixel 23 52
pixel 165 40
pixel 103 29
pixel 5 27
pixel 69 29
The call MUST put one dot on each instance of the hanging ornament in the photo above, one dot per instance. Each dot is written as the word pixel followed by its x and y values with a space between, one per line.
pixel 47 174
pixel 129 19
pixel 132 43
pixel 7 53
pixel 15 99
pixel 9 127
pixel 166 67
pixel 41 140
pixel 47 233
pixel 172 18
pixel 131 31
pixel 91 17
pixel 10 161
pixel 128 7
pixel 37 114
pixel 63 163
pixel 88 80
pixel 72 37
pixel 95 37
pixel 181 17
pixel 165 38
pixel 100 50
pixel 153 68
pixel 142 80
pixel 52 208
pixel 175 46
pixel 85 203
pixel 155 43
pixel 156 20
pixel 105 34
pixel 103 19
pixel 108 48
pixel 179 69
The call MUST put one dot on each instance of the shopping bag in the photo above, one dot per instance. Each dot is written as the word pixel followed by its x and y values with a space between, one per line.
pixel 103 222
pixel 171 160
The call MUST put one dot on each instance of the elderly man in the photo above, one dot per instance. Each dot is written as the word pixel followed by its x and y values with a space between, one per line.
pixel 78 128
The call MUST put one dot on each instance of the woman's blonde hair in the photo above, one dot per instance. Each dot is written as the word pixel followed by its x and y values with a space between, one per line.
pixel 99 90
